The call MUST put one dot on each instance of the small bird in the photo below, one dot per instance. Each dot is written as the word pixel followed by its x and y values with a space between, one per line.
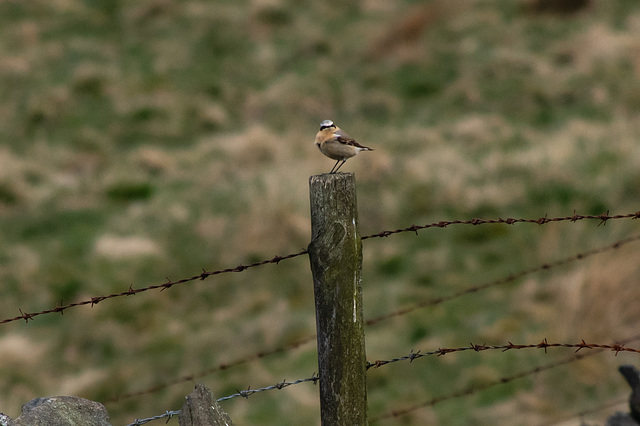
pixel 336 144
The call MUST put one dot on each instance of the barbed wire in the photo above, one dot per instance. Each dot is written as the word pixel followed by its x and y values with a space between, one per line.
pixel 167 415
pixel 248 392
pixel 241 393
pixel 26 316
pixel 375 320
pixel 603 218
pixel 509 346
pixel 595 349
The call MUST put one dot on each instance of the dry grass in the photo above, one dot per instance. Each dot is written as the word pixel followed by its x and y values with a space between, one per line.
pixel 153 139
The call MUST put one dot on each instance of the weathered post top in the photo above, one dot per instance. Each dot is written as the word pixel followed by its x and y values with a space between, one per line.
pixel 333 202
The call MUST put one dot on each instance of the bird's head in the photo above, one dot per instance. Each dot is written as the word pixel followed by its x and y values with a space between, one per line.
pixel 327 124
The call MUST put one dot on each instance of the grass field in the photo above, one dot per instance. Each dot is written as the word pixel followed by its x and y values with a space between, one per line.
pixel 151 139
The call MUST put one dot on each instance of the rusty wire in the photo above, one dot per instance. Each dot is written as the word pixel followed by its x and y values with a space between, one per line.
pixel 166 285
pixel 594 349
pixel 26 316
pixel 376 320
pixel 617 348
pixel 603 218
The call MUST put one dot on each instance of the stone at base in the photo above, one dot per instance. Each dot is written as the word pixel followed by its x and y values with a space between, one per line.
pixel 61 411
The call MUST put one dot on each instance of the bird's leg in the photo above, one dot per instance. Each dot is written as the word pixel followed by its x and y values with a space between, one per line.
pixel 334 166
pixel 343 161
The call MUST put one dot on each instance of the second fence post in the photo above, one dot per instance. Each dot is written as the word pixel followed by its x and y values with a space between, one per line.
pixel 335 253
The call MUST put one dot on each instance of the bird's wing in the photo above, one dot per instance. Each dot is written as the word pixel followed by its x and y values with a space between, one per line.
pixel 342 137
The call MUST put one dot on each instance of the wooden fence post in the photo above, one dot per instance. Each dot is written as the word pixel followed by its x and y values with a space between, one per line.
pixel 200 408
pixel 335 254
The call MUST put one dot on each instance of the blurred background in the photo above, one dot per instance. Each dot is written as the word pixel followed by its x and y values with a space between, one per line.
pixel 151 139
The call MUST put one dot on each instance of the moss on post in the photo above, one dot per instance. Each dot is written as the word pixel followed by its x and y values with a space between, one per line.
pixel 335 253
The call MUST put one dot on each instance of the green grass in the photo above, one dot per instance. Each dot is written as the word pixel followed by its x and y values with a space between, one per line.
pixel 151 139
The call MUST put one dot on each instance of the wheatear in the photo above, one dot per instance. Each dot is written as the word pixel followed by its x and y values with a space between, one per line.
pixel 336 144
